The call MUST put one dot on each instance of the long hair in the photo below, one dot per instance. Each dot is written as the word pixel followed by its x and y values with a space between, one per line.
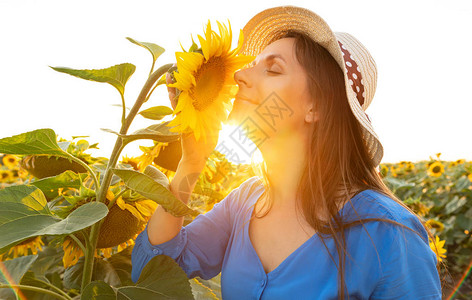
pixel 338 160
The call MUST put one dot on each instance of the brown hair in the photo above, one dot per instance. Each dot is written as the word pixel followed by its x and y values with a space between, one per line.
pixel 338 160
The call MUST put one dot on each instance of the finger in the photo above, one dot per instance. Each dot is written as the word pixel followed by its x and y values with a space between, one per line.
pixel 170 90
pixel 168 78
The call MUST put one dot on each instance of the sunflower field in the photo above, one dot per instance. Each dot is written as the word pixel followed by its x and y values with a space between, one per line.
pixel 441 193
pixel 69 219
pixel 437 190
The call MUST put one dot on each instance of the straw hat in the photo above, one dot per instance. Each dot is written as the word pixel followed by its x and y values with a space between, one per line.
pixel 360 72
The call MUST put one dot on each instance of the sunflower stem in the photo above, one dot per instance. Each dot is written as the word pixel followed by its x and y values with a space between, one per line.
pixel 33 289
pixel 87 167
pixel 78 242
pixel 112 202
pixel 91 242
pixel 152 66
pixel 55 288
pixel 152 90
pixel 123 115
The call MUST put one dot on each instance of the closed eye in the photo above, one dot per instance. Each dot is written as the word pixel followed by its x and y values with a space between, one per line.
pixel 272 72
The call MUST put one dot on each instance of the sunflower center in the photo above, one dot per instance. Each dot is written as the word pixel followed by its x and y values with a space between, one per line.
pixel 209 82
pixel 436 169
pixel 3 175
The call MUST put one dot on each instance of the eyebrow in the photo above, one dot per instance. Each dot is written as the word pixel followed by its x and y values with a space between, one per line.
pixel 270 57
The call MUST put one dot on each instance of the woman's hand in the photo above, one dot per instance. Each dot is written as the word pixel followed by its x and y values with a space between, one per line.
pixel 192 151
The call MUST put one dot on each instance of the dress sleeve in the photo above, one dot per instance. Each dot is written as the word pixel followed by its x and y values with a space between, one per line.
pixel 408 269
pixel 198 248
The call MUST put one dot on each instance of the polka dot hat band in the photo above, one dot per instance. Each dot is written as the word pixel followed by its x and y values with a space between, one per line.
pixel 360 71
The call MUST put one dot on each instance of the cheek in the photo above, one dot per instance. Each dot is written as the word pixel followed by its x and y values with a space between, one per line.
pixel 296 97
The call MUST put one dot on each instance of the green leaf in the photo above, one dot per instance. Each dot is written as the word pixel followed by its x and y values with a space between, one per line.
pixel 40 141
pixel 455 204
pixel 102 270
pixel 155 50
pixel 157 175
pixel 98 290
pixel 396 184
pixel 64 145
pixel 16 269
pixel 121 263
pixel 21 200
pixel 161 278
pixel 153 190
pixel 213 284
pixel 24 214
pixel 200 291
pixel 463 222
pixel 68 179
pixel 49 261
pixel 462 183
pixel 156 112
pixel 116 75
pixel 158 132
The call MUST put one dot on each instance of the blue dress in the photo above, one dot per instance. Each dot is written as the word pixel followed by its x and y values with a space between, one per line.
pixel 400 266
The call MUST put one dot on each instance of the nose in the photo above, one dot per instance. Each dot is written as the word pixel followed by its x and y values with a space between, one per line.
pixel 241 77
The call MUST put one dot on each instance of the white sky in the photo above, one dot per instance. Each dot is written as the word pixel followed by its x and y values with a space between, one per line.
pixel 422 49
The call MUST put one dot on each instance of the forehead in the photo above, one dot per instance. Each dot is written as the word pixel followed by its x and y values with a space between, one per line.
pixel 283 47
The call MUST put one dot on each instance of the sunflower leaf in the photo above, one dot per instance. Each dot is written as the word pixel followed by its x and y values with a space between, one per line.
pixel 201 291
pixel 64 145
pixel 161 278
pixel 103 271
pixel 455 204
pixel 98 290
pixel 156 112
pixel 157 175
pixel 116 75
pixel 24 214
pixel 16 269
pixel 155 50
pixel 39 141
pixel 158 132
pixel 68 179
pixel 111 131
pixel 154 190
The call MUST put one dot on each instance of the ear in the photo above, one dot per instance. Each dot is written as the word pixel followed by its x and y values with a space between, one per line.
pixel 311 116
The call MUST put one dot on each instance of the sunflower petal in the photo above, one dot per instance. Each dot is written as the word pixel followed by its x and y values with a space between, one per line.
pixel 146 207
pixel 135 212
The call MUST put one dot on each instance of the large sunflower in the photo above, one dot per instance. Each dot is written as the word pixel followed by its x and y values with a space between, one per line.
pixel 206 82
pixel 125 220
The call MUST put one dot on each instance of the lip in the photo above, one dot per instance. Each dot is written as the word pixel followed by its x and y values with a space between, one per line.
pixel 240 97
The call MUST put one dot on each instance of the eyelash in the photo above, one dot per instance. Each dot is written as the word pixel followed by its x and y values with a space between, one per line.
pixel 251 65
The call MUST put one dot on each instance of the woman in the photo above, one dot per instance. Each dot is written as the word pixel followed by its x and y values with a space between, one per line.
pixel 320 223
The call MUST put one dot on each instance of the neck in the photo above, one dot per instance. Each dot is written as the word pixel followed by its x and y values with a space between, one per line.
pixel 285 159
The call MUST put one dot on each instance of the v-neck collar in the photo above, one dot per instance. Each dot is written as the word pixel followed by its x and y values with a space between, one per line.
pixel 296 251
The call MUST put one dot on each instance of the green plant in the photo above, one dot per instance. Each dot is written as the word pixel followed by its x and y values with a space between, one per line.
pixel 70 206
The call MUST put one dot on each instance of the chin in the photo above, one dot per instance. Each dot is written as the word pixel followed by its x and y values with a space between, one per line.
pixel 234 118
